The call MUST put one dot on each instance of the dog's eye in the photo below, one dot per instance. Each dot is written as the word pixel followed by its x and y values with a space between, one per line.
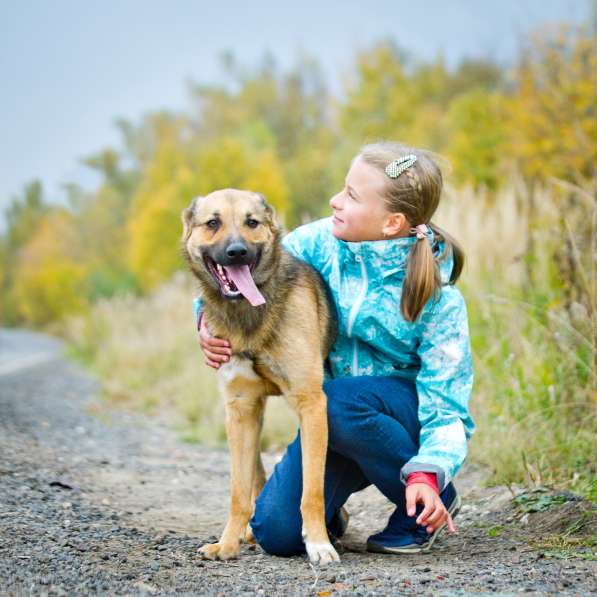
pixel 252 223
pixel 213 224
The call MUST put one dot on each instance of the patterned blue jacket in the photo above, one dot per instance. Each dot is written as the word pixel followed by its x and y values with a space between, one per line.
pixel 374 339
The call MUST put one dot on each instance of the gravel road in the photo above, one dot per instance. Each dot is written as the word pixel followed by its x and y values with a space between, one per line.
pixel 98 501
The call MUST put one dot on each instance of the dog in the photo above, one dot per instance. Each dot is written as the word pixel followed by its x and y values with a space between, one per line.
pixel 281 322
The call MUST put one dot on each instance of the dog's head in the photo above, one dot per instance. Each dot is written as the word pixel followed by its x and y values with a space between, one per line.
pixel 229 238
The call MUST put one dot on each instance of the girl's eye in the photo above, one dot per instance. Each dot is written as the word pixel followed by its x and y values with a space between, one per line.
pixel 252 223
pixel 212 224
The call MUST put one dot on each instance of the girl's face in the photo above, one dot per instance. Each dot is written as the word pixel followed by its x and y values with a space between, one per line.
pixel 360 213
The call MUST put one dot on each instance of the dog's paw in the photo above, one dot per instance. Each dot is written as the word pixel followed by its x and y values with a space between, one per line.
pixel 219 551
pixel 321 553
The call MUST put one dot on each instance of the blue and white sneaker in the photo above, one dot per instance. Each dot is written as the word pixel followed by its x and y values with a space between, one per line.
pixel 400 536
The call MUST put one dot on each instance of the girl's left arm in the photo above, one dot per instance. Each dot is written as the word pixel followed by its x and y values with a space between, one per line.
pixel 444 385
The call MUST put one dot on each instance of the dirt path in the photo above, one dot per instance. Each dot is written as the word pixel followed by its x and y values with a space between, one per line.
pixel 97 501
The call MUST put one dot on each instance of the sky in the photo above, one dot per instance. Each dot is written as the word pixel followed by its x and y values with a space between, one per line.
pixel 69 69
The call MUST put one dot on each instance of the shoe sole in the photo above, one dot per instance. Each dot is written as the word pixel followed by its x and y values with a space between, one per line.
pixel 452 510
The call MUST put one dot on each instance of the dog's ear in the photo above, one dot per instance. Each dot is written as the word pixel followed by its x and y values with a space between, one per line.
pixel 188 213
pixel 270 212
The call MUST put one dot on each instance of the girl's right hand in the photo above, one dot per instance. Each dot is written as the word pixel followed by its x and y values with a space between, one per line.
pixel 216 350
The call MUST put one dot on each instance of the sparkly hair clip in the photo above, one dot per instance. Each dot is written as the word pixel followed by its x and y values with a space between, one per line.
pixel 395 168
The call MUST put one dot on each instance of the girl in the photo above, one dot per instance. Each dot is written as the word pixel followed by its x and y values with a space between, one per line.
pixel 399 376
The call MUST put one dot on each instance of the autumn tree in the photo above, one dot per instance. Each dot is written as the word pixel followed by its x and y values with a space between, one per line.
pixel 22 217
pixel 49 282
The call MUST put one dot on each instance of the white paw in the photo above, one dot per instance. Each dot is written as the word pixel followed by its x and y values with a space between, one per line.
pixel 321 553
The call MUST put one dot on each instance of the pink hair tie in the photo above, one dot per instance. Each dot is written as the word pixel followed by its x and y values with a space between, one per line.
pixel 420 230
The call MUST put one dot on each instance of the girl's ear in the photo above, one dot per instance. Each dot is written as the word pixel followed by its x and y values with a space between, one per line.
pixel 396 223
pixel 187 216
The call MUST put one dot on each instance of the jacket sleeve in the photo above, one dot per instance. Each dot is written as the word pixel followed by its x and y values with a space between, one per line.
pixel 197 305
pixel 444 384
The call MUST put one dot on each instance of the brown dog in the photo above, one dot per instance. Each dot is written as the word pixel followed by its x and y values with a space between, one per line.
pixel 277 314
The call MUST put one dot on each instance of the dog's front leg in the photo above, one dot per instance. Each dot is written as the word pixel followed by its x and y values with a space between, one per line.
pixel 312 412
pixel 258 483
pixel 243 412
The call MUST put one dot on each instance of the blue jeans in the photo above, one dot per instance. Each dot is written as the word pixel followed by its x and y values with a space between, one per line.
pixel 373 431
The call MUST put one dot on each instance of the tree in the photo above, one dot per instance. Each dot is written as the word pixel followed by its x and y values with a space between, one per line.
pixel 553 129
pixel 477 138
pixel 23 216
pixel 49 283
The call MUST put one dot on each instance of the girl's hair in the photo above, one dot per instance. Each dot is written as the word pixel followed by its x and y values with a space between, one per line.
pixel 416 194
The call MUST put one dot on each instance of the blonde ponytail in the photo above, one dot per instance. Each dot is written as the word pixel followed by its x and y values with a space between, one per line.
pixel 422 280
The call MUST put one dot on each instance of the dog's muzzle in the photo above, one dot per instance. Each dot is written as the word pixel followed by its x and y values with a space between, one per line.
pixel 233 271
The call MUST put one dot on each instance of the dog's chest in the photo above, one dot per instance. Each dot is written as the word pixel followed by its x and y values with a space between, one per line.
pixel 267 368
pixel 246 369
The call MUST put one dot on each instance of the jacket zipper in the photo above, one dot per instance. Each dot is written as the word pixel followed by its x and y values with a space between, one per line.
pixel 353 316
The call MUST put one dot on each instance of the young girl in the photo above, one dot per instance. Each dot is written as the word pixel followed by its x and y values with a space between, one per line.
pixel 399 377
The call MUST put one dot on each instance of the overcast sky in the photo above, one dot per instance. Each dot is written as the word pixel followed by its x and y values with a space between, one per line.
pixel 69 68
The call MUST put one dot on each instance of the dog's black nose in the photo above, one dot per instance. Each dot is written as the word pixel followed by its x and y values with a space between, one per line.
pixel 236 250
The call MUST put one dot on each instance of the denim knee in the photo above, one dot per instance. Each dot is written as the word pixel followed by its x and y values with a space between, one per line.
pixel 276 530
pixel 355 404
pixel 345 406
pixel 341 394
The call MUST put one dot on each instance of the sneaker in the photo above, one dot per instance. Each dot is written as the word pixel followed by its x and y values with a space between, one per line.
pixel 418 539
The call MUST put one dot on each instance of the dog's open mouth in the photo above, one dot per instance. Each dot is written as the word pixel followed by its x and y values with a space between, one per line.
pixel 236 281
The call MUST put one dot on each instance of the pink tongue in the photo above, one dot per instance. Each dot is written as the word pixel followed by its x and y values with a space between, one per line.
pixel 241 276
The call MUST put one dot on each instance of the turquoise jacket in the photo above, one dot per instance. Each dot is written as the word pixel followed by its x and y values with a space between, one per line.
pixel 374 339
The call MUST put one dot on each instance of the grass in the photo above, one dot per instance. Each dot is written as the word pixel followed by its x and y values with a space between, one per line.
pixel 531 309
pixel 575 540
pixel 495 531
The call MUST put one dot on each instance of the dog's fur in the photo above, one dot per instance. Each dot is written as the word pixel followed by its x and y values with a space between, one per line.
pixel 278 349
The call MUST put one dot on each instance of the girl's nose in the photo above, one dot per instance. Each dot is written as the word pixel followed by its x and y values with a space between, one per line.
pixel 334 202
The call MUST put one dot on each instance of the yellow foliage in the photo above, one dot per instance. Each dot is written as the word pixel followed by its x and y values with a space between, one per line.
pixel 477 138
pixel 155 226
pixel 267 177
pixel 154 232
pixel 551 114
pixel 222 164
pixel 49 283
pixel 429 127
pixel 381 102
pixel 167 186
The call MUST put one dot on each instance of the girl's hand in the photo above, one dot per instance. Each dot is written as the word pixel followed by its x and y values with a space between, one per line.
pixel 434 513
pixel 216 350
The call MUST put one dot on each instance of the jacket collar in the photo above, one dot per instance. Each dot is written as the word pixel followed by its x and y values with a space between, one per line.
pixel 391 255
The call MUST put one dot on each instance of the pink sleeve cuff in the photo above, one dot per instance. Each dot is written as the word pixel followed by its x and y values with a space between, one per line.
pixel 427 478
